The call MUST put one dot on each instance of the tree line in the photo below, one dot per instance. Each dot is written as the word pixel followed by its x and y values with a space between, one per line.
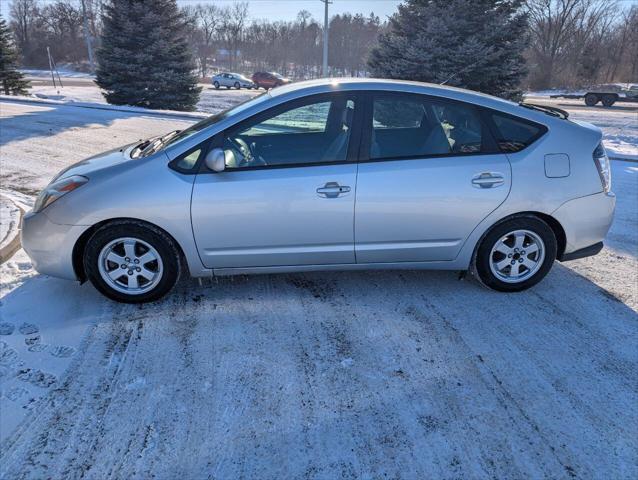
pixel 495 46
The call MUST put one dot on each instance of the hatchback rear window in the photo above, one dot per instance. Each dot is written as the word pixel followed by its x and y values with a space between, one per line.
pixel 514 134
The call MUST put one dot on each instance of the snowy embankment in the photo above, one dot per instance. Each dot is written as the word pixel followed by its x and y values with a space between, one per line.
pixel 369 375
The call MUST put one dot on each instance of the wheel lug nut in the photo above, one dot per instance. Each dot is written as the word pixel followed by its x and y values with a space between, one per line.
pixel 509 255
pixel 513 262
pixel 523 252
pixel 520 260
pixel 138 269
pixel 136 261
pixel 127 259
pixel 130 272
pixel 123 265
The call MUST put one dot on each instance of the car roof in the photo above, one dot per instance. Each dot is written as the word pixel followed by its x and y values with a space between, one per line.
pixel 371 84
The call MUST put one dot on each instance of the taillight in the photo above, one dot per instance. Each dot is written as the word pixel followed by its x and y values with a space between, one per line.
pixel 602 164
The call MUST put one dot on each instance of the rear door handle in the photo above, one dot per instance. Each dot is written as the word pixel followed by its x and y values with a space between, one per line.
pixel 332 190
pixel 488 180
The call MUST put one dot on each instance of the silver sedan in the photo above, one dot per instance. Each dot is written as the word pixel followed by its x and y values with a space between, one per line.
pixel 232 80
pixel 332 175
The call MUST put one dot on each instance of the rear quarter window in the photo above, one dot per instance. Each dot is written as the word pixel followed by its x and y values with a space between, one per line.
pixel 513 134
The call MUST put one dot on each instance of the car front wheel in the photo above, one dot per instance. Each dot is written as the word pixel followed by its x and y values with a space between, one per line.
pixel 216 85
pixel 516 254
pixel 237 85
pixel 131 262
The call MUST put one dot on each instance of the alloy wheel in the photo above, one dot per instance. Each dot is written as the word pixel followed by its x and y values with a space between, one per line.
pixel 517 256
pixel 130 265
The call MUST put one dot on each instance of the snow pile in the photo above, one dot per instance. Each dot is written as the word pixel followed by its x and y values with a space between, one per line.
pixel 9 221
pixel 211 101
pixel 64 73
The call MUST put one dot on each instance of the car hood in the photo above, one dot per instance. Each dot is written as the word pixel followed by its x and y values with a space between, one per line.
pixel 98 162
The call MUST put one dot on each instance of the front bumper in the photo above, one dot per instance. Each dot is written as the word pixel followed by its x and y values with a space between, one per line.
pixel 50 245
pixel 586 220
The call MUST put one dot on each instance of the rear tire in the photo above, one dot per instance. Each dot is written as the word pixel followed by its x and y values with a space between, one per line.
pixel 608 100
pixel 591 99
pixel 131 262
pixel 515 254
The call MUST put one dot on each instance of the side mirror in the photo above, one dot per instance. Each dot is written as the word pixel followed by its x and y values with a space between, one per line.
pixel 216 160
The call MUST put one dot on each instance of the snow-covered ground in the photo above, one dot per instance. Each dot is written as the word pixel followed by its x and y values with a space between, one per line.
pixel 324 375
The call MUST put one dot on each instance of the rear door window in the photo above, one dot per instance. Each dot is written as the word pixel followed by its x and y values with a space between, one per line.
pixel 514 134
pixel 411 125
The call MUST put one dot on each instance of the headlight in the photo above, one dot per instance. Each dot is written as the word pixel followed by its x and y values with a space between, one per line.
pixel 56 190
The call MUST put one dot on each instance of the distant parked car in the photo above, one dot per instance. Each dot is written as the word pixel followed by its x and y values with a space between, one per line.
pixel 326 175
pixel 269 80
pixel 234 80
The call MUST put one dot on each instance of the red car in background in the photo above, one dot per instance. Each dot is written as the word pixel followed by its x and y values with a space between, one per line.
pixel 269 80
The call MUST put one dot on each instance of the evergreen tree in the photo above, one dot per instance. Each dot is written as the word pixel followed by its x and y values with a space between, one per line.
pixel 475 44
pixel 145 59
pixel 11 79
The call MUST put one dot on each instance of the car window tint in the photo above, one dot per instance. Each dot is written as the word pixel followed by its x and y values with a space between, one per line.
pixel 315 132
pixel 413 126
pixel 514 134
pixel 310 118
pixel 397 114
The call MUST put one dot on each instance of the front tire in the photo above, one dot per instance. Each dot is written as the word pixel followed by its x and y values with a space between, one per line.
pixel 131 262
pixel 237 85
pixel 216 85
pixel 516 254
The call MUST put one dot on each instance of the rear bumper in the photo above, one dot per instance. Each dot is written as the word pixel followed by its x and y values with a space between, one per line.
pixel 582 253
pixel 49 245
pixel 586 221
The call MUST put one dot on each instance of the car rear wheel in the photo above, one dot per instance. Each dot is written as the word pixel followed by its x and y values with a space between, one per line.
pixel 516 254
pixel 216 85
pixel 132 263
pixel 591 99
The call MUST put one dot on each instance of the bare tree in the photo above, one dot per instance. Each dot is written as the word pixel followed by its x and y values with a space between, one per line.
pixel 561 32
pixel 232 26
pixel 23 14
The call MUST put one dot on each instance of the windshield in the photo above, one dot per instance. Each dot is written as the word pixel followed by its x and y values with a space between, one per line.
pixel 176 137
pixel 274 74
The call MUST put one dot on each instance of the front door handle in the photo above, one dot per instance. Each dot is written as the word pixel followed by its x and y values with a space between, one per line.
pixel 332 190
pixel 488 180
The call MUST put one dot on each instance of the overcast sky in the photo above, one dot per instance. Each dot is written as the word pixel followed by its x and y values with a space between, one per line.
pixel 288 9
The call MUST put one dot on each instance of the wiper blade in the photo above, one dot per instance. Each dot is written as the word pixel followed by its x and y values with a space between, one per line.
pixel 139 148
pixel 155 145
pixel 556 112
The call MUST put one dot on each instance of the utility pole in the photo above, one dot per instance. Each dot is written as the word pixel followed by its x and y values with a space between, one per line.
pixel 87 36
pixel 325 38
